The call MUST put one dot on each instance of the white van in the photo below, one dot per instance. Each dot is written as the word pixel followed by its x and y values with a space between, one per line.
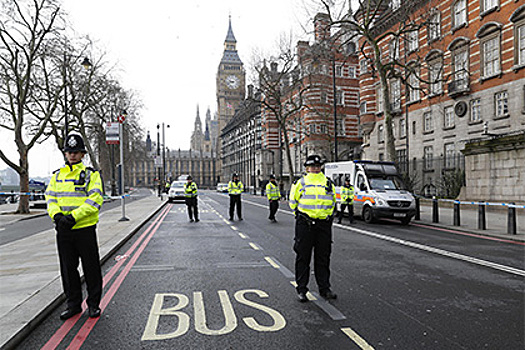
pixel 379 190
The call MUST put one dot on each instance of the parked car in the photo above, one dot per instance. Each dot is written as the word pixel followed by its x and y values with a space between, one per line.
pixel 222 187
pixel 176 191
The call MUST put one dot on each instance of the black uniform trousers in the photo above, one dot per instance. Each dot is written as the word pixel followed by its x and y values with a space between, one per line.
pixel 274 206
pixel 235 201
pixel 350 212
pixel 193 210
pixel 316 236
pixel 74 245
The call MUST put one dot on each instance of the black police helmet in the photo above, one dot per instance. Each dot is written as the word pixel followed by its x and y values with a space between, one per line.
pixel 314 159
pixel 74 143
pixel 189 177
pixel 235 175
pixel 272 177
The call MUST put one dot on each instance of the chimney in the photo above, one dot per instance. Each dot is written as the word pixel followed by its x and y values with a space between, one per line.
pixel 250 91
pixel 321 27
pixel 302 46
pixel 273 66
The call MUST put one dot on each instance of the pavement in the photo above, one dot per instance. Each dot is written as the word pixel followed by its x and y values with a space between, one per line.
pixel 30 285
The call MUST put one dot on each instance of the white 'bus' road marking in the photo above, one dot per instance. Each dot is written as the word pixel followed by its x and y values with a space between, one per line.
pixel 442 252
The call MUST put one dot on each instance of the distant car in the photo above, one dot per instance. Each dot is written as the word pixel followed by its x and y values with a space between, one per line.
pixel 176 191
pixel 221 187
pixel 183 177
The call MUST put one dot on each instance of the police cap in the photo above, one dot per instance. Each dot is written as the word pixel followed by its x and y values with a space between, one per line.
pixel 74 143
pixel 314 159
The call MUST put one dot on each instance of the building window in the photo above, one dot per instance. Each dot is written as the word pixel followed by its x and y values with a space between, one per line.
pixel 436 77
pixel 323 69
pixel 339 71
pixel 490 56
pixel 395 4
pixel 323 97
pixel 519 34
pixel 402 161
pixel 340 97
pixel 434 27
pixel 461 68
pixel 475 110
pixel 450 156
pixel 394 50
pixel 351 72
pixel 413 85
pixel 380 134
pixel 363 65
pixel 501 102
pixel 414 127
pixel 428 123
pixel 488 5
pixel 459 13
pixel 413 40
pixel 428 155
pixel 341 128
pixel 402 128
pixel 395 95
pixel 449 121
pixel 379 99
pixel 312 129
pixel 323 129
pixel 362 108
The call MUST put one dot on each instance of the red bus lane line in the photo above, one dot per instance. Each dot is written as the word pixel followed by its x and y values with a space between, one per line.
pixel 88 326
pixel 60 334
pixel 468 234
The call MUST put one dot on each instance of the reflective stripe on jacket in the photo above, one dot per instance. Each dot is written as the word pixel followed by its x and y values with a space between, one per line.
pixel 235 187
pixel 75 190
pixel 347 195
pixel 272 191
pixel 190 189
pixel 313 195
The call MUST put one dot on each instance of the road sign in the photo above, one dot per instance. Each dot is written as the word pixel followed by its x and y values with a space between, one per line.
pixel 112 133
pixel 121 118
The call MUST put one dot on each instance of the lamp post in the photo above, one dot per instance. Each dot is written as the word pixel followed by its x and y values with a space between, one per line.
pixel 122 118
pixel 87 65
pixel 163 153
pixel 335 107
pixel 156 160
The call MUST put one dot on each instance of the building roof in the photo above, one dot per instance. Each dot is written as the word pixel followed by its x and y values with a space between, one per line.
pixel 231 57
pixel 230 37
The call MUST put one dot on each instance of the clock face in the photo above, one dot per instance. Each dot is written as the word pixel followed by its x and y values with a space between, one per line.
pixel 232 81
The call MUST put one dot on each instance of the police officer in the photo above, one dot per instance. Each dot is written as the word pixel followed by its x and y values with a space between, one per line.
pixel 190 189
pixel 347 200
pixel 235 188
pixel 312 198
pixel 273 195
pixel 74 199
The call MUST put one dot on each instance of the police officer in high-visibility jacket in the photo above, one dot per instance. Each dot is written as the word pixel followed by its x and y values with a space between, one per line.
pixel 190 189
pixel 347 200
pixel 235 188
pixel 74 198
pixel 312 197
pixel 273 194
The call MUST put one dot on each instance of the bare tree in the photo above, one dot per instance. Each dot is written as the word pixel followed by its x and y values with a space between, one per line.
pixel 29 94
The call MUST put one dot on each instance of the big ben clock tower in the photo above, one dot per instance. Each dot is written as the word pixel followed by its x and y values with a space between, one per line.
pixel 230 80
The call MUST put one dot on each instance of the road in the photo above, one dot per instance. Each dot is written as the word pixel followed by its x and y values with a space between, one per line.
pixel 25 228
pixel 218 284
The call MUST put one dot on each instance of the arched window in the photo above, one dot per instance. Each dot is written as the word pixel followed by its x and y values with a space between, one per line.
pixel 518 18
pixel 490 47
pixel 459 49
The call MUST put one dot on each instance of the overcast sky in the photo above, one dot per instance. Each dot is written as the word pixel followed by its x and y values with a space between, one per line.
pixel 169 51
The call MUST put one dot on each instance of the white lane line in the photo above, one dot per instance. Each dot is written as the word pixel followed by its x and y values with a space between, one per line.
pixel 255 246
pixel 356 338
pixel 271 262
pixel 242 235
pixel 442 252
pixel 2 228
pixel 234 228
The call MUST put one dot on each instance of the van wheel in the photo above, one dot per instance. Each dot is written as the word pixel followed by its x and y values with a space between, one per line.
pixel 405 221
pixel 368 215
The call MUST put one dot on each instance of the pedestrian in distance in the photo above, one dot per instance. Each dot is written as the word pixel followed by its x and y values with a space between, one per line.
pixel 235 188
pixel 190 189
pixel 347 201
pixel 273 195
pixel 74 198
pixel 313 198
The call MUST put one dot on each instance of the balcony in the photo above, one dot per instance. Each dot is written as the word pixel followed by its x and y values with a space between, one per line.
pixel 458 87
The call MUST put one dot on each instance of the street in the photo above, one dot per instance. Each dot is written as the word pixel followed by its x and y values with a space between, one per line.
pixel 219 284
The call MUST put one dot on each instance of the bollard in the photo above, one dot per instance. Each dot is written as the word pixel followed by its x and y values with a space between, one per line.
pixel 418 210
pixel 457 218
pixel 481 217
pixel 511 222
pixel 435 210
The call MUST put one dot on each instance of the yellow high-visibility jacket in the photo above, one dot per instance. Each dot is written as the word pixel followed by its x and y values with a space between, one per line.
pixel 272 191
pixel 347 195
pixel 235 187
pixel 313 195
pixel 76 190
pixel 190 189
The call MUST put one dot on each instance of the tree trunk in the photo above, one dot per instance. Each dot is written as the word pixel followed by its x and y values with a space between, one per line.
pixel 23 204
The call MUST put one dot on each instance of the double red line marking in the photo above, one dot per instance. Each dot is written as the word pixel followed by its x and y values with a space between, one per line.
pixel 83 333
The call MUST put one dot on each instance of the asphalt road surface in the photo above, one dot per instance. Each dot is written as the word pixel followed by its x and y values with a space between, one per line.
pixel 218 284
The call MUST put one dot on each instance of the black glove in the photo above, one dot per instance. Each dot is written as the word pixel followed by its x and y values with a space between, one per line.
pixel 57 218
pixel 67 222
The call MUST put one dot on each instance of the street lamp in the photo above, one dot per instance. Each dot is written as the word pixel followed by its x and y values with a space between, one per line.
pixel 335 107
pixel 122 118
pixel 163 154
pixel 87 65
